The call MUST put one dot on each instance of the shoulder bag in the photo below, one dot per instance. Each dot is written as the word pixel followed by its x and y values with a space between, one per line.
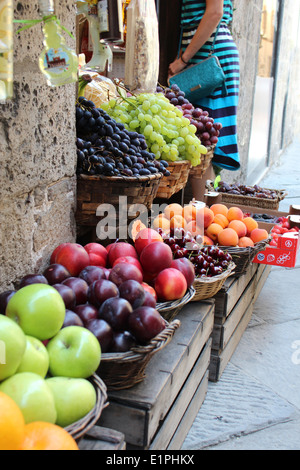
pixel 201 79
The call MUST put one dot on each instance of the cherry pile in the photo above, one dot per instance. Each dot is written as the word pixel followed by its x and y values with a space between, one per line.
pixel 208 260
pixel 208 130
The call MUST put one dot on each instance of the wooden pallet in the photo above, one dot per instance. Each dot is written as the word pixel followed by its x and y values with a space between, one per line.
pixel 158 413
pixel 233 310
pixel 99 438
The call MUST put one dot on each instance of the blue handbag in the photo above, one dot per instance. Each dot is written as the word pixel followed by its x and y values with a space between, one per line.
pixel 201 79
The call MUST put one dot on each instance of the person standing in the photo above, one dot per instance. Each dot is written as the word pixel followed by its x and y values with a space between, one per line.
pixel 199 22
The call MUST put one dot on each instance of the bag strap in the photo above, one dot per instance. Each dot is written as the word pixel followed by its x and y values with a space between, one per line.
pixel 212 46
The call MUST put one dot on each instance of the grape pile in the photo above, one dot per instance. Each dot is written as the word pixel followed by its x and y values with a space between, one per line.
pixel 208 261
pixel 170 135
pixel 208 130
pixel 105 147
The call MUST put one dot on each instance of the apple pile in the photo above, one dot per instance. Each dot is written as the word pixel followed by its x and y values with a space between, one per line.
pixel 46 366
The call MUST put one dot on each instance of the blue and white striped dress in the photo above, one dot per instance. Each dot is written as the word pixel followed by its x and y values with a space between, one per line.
pixel 222 109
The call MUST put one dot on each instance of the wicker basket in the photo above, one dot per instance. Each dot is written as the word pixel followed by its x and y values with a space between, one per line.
pixel 177 180
pixel 207 287
pixel 242 257
pixel 199 170
pixel 95 190
pixel 124 370
pixel 81 427
pixel 169 310
pixel 263 203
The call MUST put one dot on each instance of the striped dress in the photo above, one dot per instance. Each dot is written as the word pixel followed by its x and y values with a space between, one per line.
pixel 222 109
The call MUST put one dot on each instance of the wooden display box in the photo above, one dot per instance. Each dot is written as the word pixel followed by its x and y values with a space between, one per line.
pixel 233 310
pixel 158 413
pixel 99 438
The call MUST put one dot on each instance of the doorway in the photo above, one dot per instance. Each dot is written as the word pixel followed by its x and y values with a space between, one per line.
pixel 263 95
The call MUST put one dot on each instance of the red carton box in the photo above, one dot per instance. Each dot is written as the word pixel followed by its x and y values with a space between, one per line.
pixel 284 254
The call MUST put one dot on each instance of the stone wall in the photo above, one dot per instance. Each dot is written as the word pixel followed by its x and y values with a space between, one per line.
pixel 37 156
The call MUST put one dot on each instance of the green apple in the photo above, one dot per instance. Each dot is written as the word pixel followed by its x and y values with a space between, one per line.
pixel 74 398
pixel 74 352
pixel 38 309
pixel 33 396
pixel 12 347
pixel 35 358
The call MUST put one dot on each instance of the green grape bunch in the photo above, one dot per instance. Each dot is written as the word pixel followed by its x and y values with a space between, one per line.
pixel 169 135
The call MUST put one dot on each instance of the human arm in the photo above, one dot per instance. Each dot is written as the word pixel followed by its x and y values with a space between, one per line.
pixel 210 20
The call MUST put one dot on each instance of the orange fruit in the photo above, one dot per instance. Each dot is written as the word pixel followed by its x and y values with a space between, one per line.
pixel 207 240
pixel 219 209
pixel 228 237
pixel 173 209
pixel 245 241
pixel 213 231
pixel 205 217
pixel 47 436
pixel 189 212
pixel 258 234
pixel 221 220
pixel 12 424
pixel 251 224
pixel 239 227
pixel 235 213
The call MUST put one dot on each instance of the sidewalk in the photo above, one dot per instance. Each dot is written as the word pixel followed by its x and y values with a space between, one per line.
pixel 256 403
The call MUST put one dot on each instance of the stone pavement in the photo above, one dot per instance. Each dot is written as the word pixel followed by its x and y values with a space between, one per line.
pixel 256 403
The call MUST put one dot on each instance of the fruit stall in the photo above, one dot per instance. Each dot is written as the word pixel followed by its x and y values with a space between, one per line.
pixel 112 345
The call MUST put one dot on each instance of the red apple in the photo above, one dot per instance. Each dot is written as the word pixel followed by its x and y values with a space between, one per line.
pixel 97 254
pixel 130 260
pixel 145 237
pixel 74 257
pixel 57 249
pixel 186 267
pixel 123 272
pixel 155 257
pixel 121 249
pixel 170 284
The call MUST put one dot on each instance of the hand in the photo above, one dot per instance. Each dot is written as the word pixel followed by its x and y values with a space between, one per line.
pixel 175 67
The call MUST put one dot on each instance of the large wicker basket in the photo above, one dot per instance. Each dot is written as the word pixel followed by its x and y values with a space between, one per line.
pixel 176 181
pixel 199 170
pixel 124 370
pixel 81 427
pixel 242 257
pixel 207 287
pixel 92 191
pixel 169 310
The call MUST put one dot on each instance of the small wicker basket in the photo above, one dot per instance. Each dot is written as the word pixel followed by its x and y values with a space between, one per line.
pixel 169 310
pixel 242 257
pixel 81 427
pixel 207 287
pixel 176 181
pixel 124 370
pixel 199 170
pixel 263 203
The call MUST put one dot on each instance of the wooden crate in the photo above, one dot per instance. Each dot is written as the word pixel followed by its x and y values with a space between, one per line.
pixel 157 413
pixel 99 438
pixel 233 310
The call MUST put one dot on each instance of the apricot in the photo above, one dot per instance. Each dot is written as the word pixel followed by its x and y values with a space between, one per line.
pixel 219 209
pixel 258 234
pixel 189 212
pixel 235 213
pixel 228 237
pixel 251 224
pixel 161 222
pixel 205 217
pixel 178 222
pixel 213 231
pixel 207 240
pixel 221 220
pixel 173 209
pixel 239 227
pixel 193 228
pixel 245 241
